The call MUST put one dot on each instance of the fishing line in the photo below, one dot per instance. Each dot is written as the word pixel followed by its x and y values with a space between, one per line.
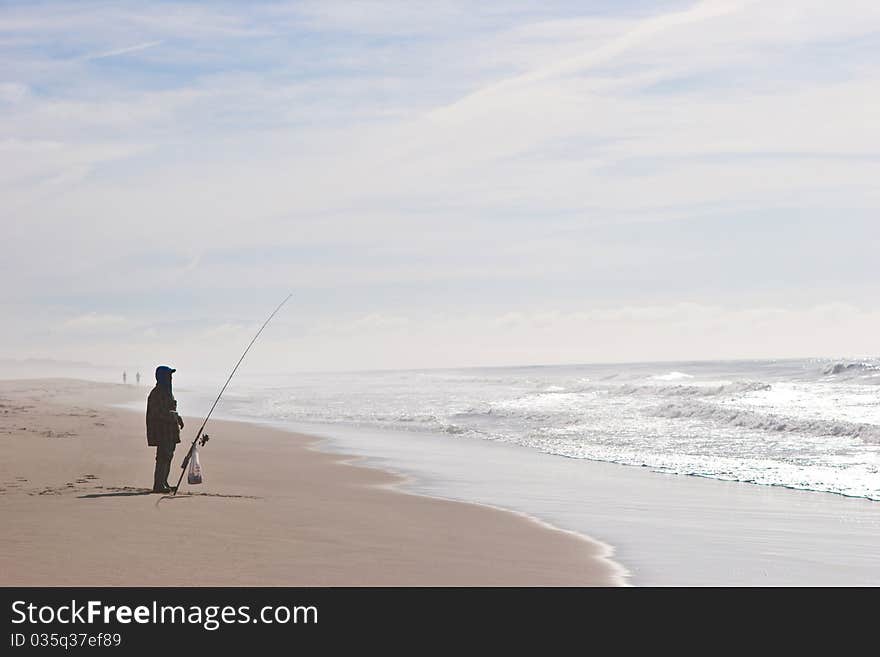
pixel 222 390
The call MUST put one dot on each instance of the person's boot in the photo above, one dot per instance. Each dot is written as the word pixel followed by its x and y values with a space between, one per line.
pixel 159 476
pixel 165 472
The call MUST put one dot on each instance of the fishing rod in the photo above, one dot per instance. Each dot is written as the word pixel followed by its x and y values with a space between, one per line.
pixel 222 390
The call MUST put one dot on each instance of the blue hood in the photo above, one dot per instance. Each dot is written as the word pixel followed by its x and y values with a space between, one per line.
pixel 163 377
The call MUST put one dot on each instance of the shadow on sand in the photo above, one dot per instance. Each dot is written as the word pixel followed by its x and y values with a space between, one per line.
pixel 121 493
pixel 139 492
pixel 189 496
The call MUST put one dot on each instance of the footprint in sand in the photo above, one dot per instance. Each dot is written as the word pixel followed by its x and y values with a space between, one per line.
pixel 47 491
pixel 61 434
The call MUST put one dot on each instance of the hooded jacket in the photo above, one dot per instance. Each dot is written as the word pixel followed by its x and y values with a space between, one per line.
pixel 162 422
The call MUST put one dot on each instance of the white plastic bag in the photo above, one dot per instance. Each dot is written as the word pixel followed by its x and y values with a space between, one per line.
pixel 194 476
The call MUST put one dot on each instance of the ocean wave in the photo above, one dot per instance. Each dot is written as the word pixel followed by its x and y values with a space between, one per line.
pixel 406 418
pixel 744 419
pixel 694 391
pixel 672 376
pixel 453 429
pixel 843 367
pixel 472 414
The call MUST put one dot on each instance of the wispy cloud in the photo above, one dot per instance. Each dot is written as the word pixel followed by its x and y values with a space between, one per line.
pixel 633 35
pixel 122 51
pixel 94 321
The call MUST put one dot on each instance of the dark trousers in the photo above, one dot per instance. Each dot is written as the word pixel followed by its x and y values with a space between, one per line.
pixel 164 454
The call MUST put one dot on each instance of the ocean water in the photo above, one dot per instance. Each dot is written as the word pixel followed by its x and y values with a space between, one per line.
pixel 805 424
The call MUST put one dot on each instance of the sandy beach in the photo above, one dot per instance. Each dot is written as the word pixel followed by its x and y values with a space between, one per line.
pixel 76 509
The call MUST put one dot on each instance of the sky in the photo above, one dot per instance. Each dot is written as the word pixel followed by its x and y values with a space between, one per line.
pixel 439 184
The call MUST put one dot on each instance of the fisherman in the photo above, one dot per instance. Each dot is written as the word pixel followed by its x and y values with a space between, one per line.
pixel 163 427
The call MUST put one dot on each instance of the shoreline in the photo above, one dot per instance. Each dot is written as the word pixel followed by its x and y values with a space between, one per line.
pixel 619 574
pixel 406 483
pixel 290 513
pixel 668 530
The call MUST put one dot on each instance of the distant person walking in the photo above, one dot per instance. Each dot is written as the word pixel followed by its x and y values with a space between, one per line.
pixel 163 427
pixel 137 378
pixel 123 378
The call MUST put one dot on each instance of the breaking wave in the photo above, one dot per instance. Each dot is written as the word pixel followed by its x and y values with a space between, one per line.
pixel 693 391
pixel 672 376
pixel 834 369
pixel 744 419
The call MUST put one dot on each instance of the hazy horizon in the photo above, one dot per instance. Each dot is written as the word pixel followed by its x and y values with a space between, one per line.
pixel 31 367
pixel 439 184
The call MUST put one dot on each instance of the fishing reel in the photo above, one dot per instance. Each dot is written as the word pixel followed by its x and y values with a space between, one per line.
pixel 204 439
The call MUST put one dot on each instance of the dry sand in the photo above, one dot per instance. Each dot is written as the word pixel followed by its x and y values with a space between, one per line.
pixel 75 509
